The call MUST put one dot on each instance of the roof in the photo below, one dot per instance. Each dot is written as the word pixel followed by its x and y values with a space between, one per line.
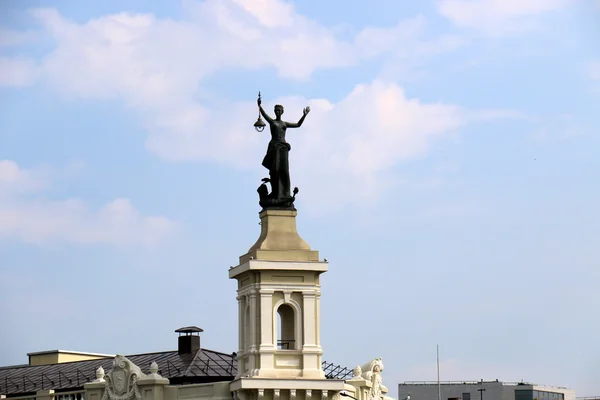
pixel 81 353
pixel 189 329
pixel 205 366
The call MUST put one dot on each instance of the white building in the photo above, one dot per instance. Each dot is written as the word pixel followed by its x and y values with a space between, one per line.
pixel 482 390
pixel 279 352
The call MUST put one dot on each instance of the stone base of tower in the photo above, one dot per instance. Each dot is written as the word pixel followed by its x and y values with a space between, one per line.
pixel 278 298
pixel 279 304
pixel 279 240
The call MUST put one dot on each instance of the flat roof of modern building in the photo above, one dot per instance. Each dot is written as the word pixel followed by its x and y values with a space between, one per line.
pixel 480 382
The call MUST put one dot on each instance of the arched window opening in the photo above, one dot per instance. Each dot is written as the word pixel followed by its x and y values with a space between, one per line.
pixel 286 339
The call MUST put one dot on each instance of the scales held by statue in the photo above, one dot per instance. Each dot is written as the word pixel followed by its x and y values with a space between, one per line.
pixel 276 159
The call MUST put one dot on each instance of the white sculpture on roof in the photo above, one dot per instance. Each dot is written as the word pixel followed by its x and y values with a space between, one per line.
pixel 121 381
pixel 368 381
pixel 371 372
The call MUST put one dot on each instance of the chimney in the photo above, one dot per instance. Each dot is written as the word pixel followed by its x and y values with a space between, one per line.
pixel 189 340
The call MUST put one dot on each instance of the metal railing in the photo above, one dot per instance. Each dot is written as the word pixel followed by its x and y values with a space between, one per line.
pixel 450 382
pixel 285 344
pixel 484 382
pixel 71 395
pixel 29 383
pixel 334 371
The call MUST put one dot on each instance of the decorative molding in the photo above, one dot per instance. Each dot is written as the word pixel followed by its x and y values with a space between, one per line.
pixel 287 295
pixel 372 373
pixel 324 394
pixel 276 393
pixel 292 394
pixel 308 393
pixel 99 375
pixel 261 393
pixel 121 381
pixel 154 371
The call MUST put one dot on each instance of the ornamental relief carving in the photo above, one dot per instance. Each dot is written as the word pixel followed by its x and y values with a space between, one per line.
pixel 371 372
pixel 121 381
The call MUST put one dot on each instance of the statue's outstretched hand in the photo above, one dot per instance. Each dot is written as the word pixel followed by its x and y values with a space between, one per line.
pixel 306 110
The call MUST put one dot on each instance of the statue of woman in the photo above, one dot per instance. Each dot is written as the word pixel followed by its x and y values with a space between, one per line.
pixel 276 160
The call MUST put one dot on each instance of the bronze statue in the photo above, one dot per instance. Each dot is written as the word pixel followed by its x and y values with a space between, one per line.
pixel 276 160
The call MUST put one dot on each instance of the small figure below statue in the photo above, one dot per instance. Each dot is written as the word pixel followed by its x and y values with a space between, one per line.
pixel 277 160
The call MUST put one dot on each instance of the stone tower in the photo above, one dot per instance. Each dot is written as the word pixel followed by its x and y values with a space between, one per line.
pixel 279 326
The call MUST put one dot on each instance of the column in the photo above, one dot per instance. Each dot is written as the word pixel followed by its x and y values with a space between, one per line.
pixel 266 320
pixel 310 319
pixel 241 333
pixel 252 362
pixel 318 317
pixel 266 348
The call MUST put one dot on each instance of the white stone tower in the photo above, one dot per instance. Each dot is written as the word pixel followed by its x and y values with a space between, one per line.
pixel 279 326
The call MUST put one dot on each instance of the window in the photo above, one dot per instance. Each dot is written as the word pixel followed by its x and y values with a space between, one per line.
pixel 523 394
pixel 466 396
pixel 286 328
pixel 541 395
pixel 537 395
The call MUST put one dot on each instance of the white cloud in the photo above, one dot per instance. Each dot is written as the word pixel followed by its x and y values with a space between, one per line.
pixel 9 37
pixel 16 181
pixel 157 67
pixel 28 216
pixel 351 146
pixel 342 152
pixel 270 13
pixel 17 71
pixel 497 17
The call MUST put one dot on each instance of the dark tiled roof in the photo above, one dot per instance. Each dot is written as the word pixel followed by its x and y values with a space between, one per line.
pixel 204 366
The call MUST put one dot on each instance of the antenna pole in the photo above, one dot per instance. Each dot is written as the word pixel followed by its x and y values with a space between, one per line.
pixel 438 372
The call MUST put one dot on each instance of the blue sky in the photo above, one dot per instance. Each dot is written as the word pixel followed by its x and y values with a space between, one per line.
pixel 448 170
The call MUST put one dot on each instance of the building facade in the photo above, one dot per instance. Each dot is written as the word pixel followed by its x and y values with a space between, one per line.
pixel 279 355
pixel 482 390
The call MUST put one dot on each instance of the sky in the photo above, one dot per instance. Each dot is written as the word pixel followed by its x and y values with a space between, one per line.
pixel 448 170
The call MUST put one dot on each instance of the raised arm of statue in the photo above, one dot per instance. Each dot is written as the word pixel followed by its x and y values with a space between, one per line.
pixel 262 112
pixel 300 121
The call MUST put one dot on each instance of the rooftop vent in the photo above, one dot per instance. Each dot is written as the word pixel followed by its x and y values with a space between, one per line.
pixel 189 339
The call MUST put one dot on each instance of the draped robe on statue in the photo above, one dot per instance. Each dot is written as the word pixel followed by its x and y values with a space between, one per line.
pixel 277 162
